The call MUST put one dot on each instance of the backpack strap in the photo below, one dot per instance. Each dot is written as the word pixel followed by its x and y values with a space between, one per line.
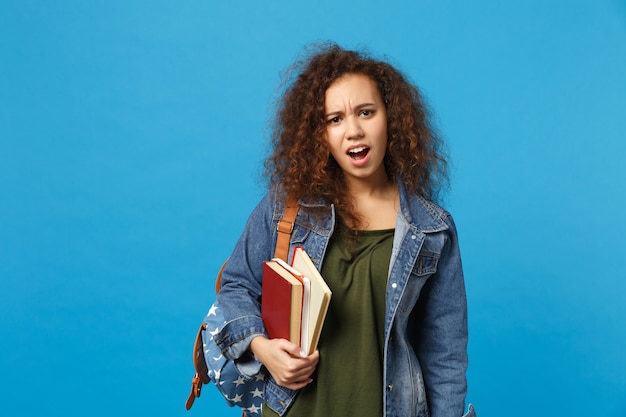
pixel 285 227
pixel 202 371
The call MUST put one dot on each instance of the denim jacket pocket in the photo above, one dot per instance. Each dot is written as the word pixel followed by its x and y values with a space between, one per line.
pixel 299 234
pixel 425 266
pixel 426 263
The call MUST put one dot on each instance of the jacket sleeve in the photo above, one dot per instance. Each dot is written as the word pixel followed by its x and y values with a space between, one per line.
pixel 442 332
pixel 240 292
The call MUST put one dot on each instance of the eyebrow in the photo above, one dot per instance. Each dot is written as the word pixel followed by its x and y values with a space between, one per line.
pixel 357 107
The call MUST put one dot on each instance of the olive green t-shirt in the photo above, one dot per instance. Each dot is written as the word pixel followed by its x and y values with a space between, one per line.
pixel 348 378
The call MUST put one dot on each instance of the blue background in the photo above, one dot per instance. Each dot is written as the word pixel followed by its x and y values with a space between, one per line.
pixel 132 136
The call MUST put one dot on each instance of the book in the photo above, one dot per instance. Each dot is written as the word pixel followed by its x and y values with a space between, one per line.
pixel 281 302
pixel 306 297
pixel 318 300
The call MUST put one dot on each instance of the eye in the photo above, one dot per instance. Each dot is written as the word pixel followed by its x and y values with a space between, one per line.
pixel 333 120
pixel 366 113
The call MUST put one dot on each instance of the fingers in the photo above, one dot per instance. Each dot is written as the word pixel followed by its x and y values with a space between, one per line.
pixel 290 369
pixel 284 361
pixel 293 349
pixel 296 385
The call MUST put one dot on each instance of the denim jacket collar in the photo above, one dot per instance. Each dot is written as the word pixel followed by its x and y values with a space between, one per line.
pixel 420 215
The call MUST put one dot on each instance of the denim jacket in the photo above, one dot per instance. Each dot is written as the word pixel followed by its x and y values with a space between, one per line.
pixel 425 355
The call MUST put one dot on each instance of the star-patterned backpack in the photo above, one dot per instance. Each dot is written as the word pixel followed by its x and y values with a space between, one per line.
pixel 238 390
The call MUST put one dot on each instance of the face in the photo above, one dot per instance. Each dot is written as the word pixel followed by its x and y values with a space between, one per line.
pixel 356 128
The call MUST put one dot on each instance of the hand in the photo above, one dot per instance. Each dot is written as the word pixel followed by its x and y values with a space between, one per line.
pixel 283 360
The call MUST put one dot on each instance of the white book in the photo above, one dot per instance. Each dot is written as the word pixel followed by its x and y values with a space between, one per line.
pixel 319 299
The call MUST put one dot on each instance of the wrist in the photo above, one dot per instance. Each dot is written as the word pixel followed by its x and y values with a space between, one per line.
pixel 256 345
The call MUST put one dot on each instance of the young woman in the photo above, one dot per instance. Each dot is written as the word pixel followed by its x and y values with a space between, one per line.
pixel 352 144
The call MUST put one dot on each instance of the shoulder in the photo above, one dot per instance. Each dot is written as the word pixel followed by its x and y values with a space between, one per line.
pixel 271 202
pixel 272 206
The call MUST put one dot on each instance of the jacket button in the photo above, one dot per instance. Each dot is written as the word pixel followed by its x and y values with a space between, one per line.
pixel 389 387
pixel 394 285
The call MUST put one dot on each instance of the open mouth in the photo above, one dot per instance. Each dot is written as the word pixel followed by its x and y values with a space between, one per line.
pixel 358 153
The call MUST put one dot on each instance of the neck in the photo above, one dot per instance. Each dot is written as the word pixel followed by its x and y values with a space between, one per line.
pixel 375 202
pixel 364 188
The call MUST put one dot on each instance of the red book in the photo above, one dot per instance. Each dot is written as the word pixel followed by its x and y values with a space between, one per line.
pixel 281 302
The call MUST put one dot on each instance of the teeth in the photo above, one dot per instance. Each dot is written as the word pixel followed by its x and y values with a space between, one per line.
pixel 357 150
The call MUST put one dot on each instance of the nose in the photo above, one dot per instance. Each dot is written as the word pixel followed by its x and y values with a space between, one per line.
pixel 353 128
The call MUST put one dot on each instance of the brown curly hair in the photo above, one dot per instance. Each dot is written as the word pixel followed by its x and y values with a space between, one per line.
pixel 301 164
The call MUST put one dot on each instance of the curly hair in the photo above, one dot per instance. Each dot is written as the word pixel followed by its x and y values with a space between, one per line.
pixel 301 164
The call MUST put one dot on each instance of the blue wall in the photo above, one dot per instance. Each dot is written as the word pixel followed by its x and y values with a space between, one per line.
pixel 132 135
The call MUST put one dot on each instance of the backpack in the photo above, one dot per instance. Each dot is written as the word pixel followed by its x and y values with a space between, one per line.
pixel 209 363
